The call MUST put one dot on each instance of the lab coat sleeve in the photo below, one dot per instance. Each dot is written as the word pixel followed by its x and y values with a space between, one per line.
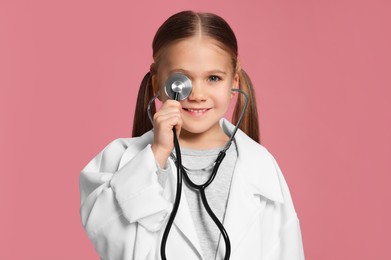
pixel 288 244
pixel 114 200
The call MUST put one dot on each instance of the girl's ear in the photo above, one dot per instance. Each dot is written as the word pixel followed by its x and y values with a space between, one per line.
pixel 235 83
pixel 155 85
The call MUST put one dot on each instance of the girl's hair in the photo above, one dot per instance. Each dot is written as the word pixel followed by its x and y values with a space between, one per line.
pixel 184 25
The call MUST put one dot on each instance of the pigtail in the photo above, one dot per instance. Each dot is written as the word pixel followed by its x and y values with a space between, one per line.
pixel 249 124
pixel 141 123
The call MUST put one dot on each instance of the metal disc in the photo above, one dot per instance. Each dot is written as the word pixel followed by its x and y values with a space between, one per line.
pixel 178 83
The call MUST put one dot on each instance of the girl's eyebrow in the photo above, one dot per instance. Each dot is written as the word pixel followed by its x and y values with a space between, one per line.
pixel 207 72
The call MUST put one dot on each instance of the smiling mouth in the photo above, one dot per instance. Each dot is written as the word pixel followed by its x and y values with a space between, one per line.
pixel 196 110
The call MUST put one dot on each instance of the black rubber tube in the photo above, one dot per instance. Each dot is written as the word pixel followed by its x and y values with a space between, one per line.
pixel 177 197
pixel 218 224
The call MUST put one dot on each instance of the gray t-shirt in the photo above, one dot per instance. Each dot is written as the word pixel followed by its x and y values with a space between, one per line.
pixel 216 193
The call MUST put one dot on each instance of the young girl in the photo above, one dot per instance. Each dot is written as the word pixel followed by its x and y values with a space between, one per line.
pixel 127 190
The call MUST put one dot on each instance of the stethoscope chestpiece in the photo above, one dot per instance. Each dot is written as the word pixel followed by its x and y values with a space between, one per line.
pixel 178 83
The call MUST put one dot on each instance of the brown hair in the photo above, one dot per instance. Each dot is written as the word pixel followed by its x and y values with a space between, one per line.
pixel 178 27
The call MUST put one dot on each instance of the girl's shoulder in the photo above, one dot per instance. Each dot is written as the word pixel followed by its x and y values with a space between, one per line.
pixel 117 150
pixel 136 143
pixel 122 149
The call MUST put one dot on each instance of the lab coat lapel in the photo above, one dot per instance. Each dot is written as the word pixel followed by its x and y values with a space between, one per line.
pixel 253 176
pixel 241 211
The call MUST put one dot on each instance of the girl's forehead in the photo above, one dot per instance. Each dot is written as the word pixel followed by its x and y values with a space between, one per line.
pixel 197 52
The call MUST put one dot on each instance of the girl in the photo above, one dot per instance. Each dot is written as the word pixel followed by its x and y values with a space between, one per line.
pixel 127 190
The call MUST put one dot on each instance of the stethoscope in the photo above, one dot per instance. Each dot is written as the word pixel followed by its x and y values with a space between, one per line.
pixel 178 87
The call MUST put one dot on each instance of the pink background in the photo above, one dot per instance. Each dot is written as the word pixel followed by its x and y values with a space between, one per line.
pixel 70 70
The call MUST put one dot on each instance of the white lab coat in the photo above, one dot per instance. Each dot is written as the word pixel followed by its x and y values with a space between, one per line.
pixel 124 209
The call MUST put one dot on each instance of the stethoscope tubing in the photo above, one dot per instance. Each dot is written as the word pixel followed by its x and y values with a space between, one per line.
pixel 181 173
pixel 177 198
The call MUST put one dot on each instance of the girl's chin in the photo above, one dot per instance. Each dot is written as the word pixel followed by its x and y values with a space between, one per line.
pixel 198 128
pixel 191 130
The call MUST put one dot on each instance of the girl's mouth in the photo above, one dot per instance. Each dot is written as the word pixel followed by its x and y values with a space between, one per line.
pixel 196 111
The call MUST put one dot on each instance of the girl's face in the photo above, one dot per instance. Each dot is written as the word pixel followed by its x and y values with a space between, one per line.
pixel 210 69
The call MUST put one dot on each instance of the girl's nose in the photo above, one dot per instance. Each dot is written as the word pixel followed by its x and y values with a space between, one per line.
pixel 198 92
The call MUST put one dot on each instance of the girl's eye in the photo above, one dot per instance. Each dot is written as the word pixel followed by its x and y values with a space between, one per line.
pixel 214 78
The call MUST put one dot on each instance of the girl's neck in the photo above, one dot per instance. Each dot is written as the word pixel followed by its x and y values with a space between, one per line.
pixel 207 140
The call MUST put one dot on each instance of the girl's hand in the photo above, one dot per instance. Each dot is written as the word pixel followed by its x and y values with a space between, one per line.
pixel 168 116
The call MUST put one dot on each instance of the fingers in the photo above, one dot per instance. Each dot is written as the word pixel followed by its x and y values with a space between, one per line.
pixel 168 116
pixel 166 122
